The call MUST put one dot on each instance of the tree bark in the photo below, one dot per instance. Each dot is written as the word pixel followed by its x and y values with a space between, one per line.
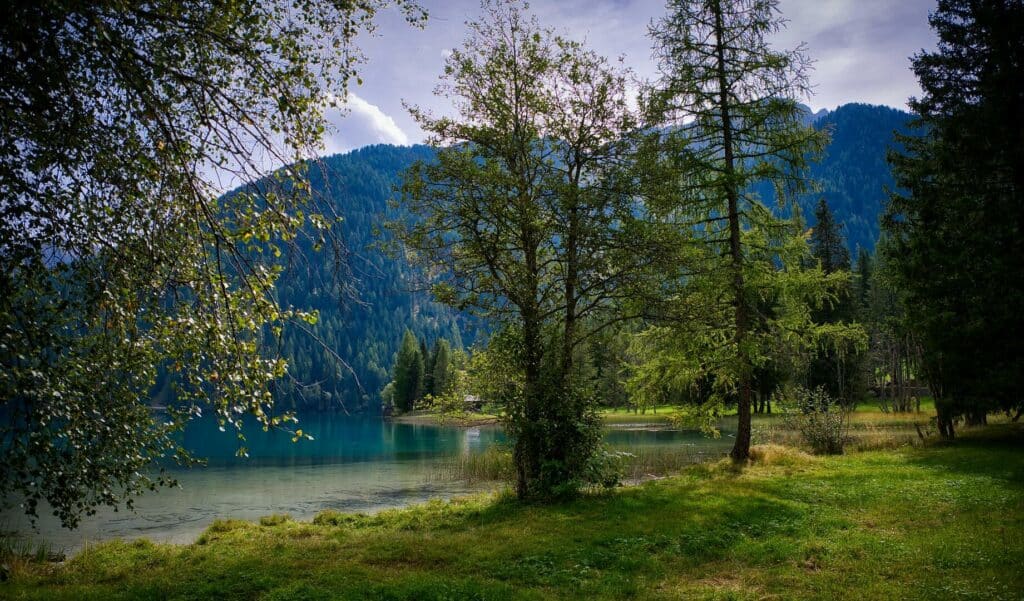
pixel 741 448
pixel 944 419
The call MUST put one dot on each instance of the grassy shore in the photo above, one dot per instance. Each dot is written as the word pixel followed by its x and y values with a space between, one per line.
pixel 942 521
pixel 465 419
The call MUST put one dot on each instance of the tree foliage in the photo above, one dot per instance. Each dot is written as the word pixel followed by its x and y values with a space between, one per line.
pixel 441 366
pixel 122 125
pixel 409 374
pixel 733 102
pixel 526 219
pixel 957 218
pixel 836 366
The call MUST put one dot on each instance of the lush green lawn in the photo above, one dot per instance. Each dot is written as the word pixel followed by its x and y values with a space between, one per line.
pixel 940 522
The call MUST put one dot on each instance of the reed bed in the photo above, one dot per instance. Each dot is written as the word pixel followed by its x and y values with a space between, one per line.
pixel 491 465
pixel 636 463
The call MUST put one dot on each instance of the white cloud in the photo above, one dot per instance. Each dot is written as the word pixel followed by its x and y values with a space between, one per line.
pixel 357 122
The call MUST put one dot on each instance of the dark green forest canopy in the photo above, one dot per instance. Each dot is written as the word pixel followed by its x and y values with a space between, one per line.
pixel 853 174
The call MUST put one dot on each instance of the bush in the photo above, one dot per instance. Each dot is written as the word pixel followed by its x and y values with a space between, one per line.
pixel 822 421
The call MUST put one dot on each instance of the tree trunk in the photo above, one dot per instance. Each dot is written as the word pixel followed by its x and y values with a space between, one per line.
pixel 944 419
pixel 977 417
pixel 741 448
pixel 571 277
pixel 528 446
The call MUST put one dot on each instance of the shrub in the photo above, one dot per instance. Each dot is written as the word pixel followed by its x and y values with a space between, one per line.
pixel 822 421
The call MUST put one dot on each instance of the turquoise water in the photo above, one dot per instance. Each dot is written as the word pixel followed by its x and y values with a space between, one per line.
pixel 337 439
pixel 353 464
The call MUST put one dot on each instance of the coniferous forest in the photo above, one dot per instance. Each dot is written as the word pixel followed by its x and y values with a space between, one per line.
pixel 577 323
pixel 853 176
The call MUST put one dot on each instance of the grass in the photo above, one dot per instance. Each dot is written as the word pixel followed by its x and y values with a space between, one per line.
pixel 637 463
pixel 940 521
pixel 490 465
pixel 18 553
pixel 618 416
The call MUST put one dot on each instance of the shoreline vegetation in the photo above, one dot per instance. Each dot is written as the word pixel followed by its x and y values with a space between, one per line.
pixel 929 520
pixel 465 419
pixel 469 419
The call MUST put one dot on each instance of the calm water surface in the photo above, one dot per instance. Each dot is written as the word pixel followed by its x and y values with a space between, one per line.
pixel 353 464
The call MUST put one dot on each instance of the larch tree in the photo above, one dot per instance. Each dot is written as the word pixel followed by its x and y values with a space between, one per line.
pixel 728 104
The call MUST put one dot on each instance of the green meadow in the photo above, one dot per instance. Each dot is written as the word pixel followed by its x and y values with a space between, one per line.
pixel 932 521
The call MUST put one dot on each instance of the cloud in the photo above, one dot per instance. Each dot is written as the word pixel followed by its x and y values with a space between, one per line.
pixel 861 48
pixel 357 123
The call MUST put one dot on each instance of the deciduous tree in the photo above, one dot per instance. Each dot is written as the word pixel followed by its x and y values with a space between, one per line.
pixel 121 125
pixel 525 218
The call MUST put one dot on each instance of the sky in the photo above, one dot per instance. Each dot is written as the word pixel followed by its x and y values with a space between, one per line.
pixel 861 50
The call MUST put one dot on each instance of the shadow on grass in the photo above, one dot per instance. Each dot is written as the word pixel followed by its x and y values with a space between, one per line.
pixel 996 451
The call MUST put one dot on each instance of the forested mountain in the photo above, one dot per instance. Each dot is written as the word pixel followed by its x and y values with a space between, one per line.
pixel 363 327
pixel 854 174
pixel 366 331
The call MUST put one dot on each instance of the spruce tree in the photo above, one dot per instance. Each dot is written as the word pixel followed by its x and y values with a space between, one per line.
pixel 834 367
pixel 862 283
pixel 827 243
pixel 428 366
pixel 440 365
pixel 408 373
pixel 957 219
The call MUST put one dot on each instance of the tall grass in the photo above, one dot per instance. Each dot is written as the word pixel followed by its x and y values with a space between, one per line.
pixel 642 463
pixel 17 553
pixel 15 546
pixel 494 464
pixel 636 463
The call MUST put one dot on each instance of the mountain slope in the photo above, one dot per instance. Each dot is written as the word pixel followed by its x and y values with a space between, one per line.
pixel 366 334
pixel 854 174
pixel 364 331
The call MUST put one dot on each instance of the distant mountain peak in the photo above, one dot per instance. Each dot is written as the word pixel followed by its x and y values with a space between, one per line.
pixel 810 117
